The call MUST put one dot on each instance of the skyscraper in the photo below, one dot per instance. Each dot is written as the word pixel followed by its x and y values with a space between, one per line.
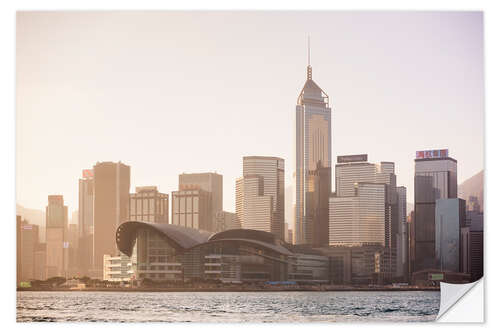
pixel 402 240
pixel 364 209
pixel 86 222
pixel 435 178
pixel 210 182
pixel 56 236
pixel 450 219
pixel 111 196
pixel 272 170
pixel 312 153
pixel 148 205
pixel 192 208
pixel 27 243
pixel 254 210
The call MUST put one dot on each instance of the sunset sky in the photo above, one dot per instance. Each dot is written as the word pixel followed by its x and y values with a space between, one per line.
pixel 173 92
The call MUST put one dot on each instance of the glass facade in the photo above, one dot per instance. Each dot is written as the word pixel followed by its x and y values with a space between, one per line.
pixel 450 218
pixel 435 178
pixel 272 170
pixel 312 152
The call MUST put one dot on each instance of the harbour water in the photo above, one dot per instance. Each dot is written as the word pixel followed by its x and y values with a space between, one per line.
pixel 227 307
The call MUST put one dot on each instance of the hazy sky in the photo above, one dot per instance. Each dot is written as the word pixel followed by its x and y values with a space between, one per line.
pixel 173 92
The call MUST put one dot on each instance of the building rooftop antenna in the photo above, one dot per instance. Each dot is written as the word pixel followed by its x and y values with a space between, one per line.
pixel 309 68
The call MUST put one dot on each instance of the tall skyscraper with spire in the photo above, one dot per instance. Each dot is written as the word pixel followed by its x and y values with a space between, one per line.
pixel 313 152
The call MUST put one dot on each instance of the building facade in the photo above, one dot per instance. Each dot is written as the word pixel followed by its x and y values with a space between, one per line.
pixel 148 205
pixel 402 235
pixel 435 178
pixel 27 238
pixel 192 209
pixel 226 221
pixel 86 222
pixel 363 209
pixel 111 198
pixel 312 153
pixel 211 183
pixel 254 210
pixel 56 237
pixel 117 268
pixel 272 170
pixel 450 218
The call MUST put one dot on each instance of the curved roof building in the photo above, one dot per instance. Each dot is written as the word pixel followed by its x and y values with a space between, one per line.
pixel 172 252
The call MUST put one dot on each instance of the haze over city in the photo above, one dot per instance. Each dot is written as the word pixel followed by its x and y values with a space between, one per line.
pixel 180 92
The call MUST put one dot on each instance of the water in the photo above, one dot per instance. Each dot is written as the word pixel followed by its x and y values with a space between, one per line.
pixel 225 307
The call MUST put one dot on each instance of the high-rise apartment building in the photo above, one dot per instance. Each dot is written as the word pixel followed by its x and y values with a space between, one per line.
pixel 56 236
pixel 111 198
pixel 148 205
pixel 312 153
pixel 86 222
pixel 272 171
pixel 435 178
pixel 254 210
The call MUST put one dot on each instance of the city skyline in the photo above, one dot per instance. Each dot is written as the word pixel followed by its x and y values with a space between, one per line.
pixel 265 87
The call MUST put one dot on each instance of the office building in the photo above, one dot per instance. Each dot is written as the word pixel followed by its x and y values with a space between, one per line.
pixel 72 241
pixel 359 219
pixel 86 222
pixel 193 209
pixel 148 205
pixel 226 221
pixel 312 153
pixel 56 236
pixel 472 243
pixel 363 209
pixel 450 218
pixel 402 235
pixel 272 171
pixel 435 178
pixel 254 210
pixel 40 268
pixel 211 183
pixel 27 237
pixel 111 198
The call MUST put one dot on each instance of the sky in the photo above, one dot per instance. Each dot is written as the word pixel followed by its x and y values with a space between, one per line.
pixel 172 92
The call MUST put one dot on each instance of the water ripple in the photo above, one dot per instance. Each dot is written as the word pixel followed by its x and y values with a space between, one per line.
pixel 227 306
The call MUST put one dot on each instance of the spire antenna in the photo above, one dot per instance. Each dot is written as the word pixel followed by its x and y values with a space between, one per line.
pixel 308 50
pixel 309 68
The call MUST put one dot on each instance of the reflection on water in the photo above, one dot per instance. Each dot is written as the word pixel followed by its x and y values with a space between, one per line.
pixel 227 306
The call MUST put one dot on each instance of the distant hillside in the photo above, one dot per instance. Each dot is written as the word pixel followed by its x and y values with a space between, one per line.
pixel 474 186
pixel 33 216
